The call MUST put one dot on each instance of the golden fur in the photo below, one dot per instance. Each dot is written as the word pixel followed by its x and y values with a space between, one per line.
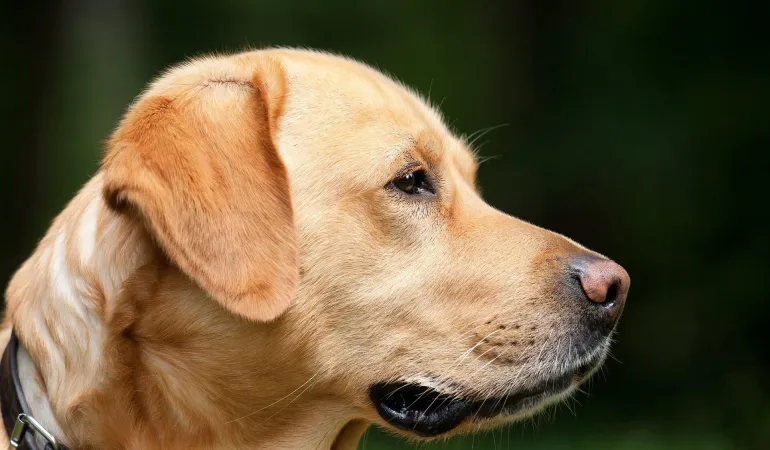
pixel 237 273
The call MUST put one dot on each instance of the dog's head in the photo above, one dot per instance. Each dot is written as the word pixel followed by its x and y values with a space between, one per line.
pixel 314 194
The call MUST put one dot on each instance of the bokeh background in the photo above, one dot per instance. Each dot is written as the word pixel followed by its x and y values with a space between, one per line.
pixel 639 127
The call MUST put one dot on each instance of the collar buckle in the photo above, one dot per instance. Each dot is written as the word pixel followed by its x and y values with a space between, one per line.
pixel 25 422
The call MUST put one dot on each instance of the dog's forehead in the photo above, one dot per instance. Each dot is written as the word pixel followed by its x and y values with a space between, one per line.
pixel 349 90
pixel 341 110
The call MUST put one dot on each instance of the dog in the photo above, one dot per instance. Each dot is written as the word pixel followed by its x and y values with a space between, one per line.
pixel 282 247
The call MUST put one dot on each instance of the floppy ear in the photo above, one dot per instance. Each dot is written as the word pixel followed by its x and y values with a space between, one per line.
pixel 195 158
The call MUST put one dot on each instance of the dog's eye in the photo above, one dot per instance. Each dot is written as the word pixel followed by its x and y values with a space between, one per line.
pixel 414 183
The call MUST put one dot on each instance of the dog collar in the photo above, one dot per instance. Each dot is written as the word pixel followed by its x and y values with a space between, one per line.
pixel 16 416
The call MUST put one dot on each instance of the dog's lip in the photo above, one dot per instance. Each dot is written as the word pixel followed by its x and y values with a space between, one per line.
pixel 427 412
pixel 419 409
pixel 523 399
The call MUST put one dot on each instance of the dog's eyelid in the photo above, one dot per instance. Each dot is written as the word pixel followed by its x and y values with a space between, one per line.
pixel 411 167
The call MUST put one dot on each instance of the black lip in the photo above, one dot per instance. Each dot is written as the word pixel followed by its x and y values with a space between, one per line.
pixel 419 409
pixel 427 412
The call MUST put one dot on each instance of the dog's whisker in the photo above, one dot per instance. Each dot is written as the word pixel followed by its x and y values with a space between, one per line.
pixel 476 138
pixel 567 405
pixel 508 390
pixel 482 354
pixel 425 391
pixel 471 333
pixel 479 147
pixel 277 401
pixel 467 352
pixel 291 401
pixel 482 368
pixel 491 360
pixel 574 399
pixel 482 160
pixel 395 390
pixel 431 404
pixel 478 134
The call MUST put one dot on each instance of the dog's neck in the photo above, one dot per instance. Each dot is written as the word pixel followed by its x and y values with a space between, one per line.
pixel 129 353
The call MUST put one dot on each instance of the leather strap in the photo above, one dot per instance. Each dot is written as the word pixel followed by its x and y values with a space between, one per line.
pixel 12 401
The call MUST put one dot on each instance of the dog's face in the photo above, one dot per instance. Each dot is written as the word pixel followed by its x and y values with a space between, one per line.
pixel 419 304
pixel 442 311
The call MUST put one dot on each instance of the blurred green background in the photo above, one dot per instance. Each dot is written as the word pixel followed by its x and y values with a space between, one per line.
pixel 640 128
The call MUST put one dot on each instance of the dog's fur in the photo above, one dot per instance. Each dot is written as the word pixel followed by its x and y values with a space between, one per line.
pixel 240 271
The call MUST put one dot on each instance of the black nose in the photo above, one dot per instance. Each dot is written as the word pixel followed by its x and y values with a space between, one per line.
pixel 604 284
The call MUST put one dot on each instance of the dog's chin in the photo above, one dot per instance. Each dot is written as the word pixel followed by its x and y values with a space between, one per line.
pixel 427 412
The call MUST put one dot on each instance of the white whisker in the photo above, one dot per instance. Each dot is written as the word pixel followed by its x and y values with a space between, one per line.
pixel 277 401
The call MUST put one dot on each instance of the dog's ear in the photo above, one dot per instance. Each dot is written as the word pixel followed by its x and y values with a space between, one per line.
pixel 195 158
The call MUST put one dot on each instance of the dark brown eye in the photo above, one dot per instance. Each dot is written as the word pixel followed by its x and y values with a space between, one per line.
pixel 414 183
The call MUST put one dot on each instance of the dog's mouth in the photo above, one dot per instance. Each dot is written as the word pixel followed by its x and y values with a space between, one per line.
pixel 427 412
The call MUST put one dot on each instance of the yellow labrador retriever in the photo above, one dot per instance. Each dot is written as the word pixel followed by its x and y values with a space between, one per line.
pixel 281 248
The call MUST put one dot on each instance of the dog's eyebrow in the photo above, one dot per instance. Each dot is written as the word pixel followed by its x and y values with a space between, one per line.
pixel 401 150
pixel 429 148
pixel 426 142
pixel 402 156
pixel 416 153
pixel 424 150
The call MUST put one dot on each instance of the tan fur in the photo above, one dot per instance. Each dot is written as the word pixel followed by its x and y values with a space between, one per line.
pixel 238 274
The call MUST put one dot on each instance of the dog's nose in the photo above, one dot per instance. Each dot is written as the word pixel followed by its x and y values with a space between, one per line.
pixel 604 283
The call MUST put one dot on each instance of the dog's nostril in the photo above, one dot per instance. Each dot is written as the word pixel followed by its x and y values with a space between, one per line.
pixel 612 294
pixel 603 282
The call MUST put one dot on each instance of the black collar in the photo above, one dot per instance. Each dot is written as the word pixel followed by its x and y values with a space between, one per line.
pixel 19 424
